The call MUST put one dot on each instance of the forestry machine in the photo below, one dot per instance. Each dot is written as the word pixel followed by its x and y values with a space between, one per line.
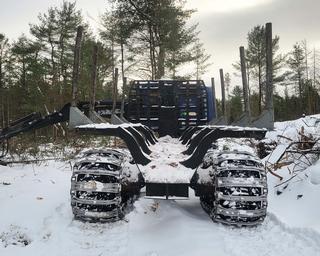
pixel 231 185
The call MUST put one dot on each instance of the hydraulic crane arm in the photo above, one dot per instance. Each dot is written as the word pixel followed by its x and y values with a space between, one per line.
pixel 34 121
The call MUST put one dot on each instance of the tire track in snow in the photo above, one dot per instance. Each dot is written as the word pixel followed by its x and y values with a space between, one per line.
pixel 175 228
pixel 271 238
pixel 182 228
pixel 73 237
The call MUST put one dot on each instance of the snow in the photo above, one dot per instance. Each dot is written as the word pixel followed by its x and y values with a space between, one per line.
pixel 291 128
pixel 164 166
pixel 297 205
pixel 36 217
pixel 35 209
pixel 296 202
pixel 276 154
pixel 314 174
pixel 106 126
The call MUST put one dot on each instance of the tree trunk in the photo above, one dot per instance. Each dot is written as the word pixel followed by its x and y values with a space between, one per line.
pixel 115 91
pixel 122 61
pixel 300 93
pixel 223 95
pixel 1 95
pixel 152 55
pixel 244 82
pixel 53 79
pixel 260 88
pixel 94 76
pixel 124 90
pixel 306 59
pixel 24 80
pixel 8 110
pixel 76 63
pixel 1 78
pixel 161 58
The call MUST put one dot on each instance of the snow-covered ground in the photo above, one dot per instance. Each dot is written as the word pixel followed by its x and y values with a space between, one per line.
pixel 298 204
pixel 35 210
pixel 36 219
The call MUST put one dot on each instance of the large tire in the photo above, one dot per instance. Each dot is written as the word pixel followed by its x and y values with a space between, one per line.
pixel 240 190
pixel 96 186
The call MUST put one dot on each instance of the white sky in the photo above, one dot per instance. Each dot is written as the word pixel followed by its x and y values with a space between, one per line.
pixel 222 6
pixel 224 24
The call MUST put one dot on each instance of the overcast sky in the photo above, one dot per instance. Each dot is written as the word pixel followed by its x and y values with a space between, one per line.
pixel 224 24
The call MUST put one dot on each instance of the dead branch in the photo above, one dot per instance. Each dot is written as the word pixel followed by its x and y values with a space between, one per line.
pixel 286 181
pixel 274 174
pixel 284 137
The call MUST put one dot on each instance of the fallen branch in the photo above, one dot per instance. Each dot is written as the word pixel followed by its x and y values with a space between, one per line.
pixel 28 161
pixel 274 174
pixel 286 181
pixel 284 137
pixel 279 165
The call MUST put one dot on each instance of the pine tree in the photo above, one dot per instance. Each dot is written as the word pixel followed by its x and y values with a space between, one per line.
pixel 117 30
pixel 256 60
pixel 4 55
pixel 27 66
pixel 201 59
pixel 235 104
pixel 56 32
pixel 104 69
pixel 162 34
pixel 296 65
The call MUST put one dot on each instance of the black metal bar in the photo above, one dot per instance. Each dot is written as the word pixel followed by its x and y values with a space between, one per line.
pixel 125 135
pixel 184 133
pixel 190 134
pixel 151 133
pixel 56 117
pixel 140 139
pixel 27 118
pixel 133 147
pixel 196 140
pixel 146 133
pixel 196 158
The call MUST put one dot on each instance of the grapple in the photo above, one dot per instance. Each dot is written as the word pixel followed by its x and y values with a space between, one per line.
pixel 231 185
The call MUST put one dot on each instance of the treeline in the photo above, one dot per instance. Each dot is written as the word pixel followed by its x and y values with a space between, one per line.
pixel 36 71
pixel 144 39
pixel 295 75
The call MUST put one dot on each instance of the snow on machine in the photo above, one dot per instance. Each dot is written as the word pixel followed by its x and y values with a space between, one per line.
pixel 231 186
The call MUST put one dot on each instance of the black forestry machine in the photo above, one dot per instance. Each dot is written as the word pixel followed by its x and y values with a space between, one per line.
pixel 231 185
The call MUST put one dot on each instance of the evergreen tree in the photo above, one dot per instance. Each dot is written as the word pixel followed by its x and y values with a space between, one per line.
pixel 27 73
pixel 117 30
pixel 56 32
pixel 296 65
pixel 4 57
pixel 104 70
pixel 256 58
pixel 235 103
pixel 201 59
pixel 161 33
